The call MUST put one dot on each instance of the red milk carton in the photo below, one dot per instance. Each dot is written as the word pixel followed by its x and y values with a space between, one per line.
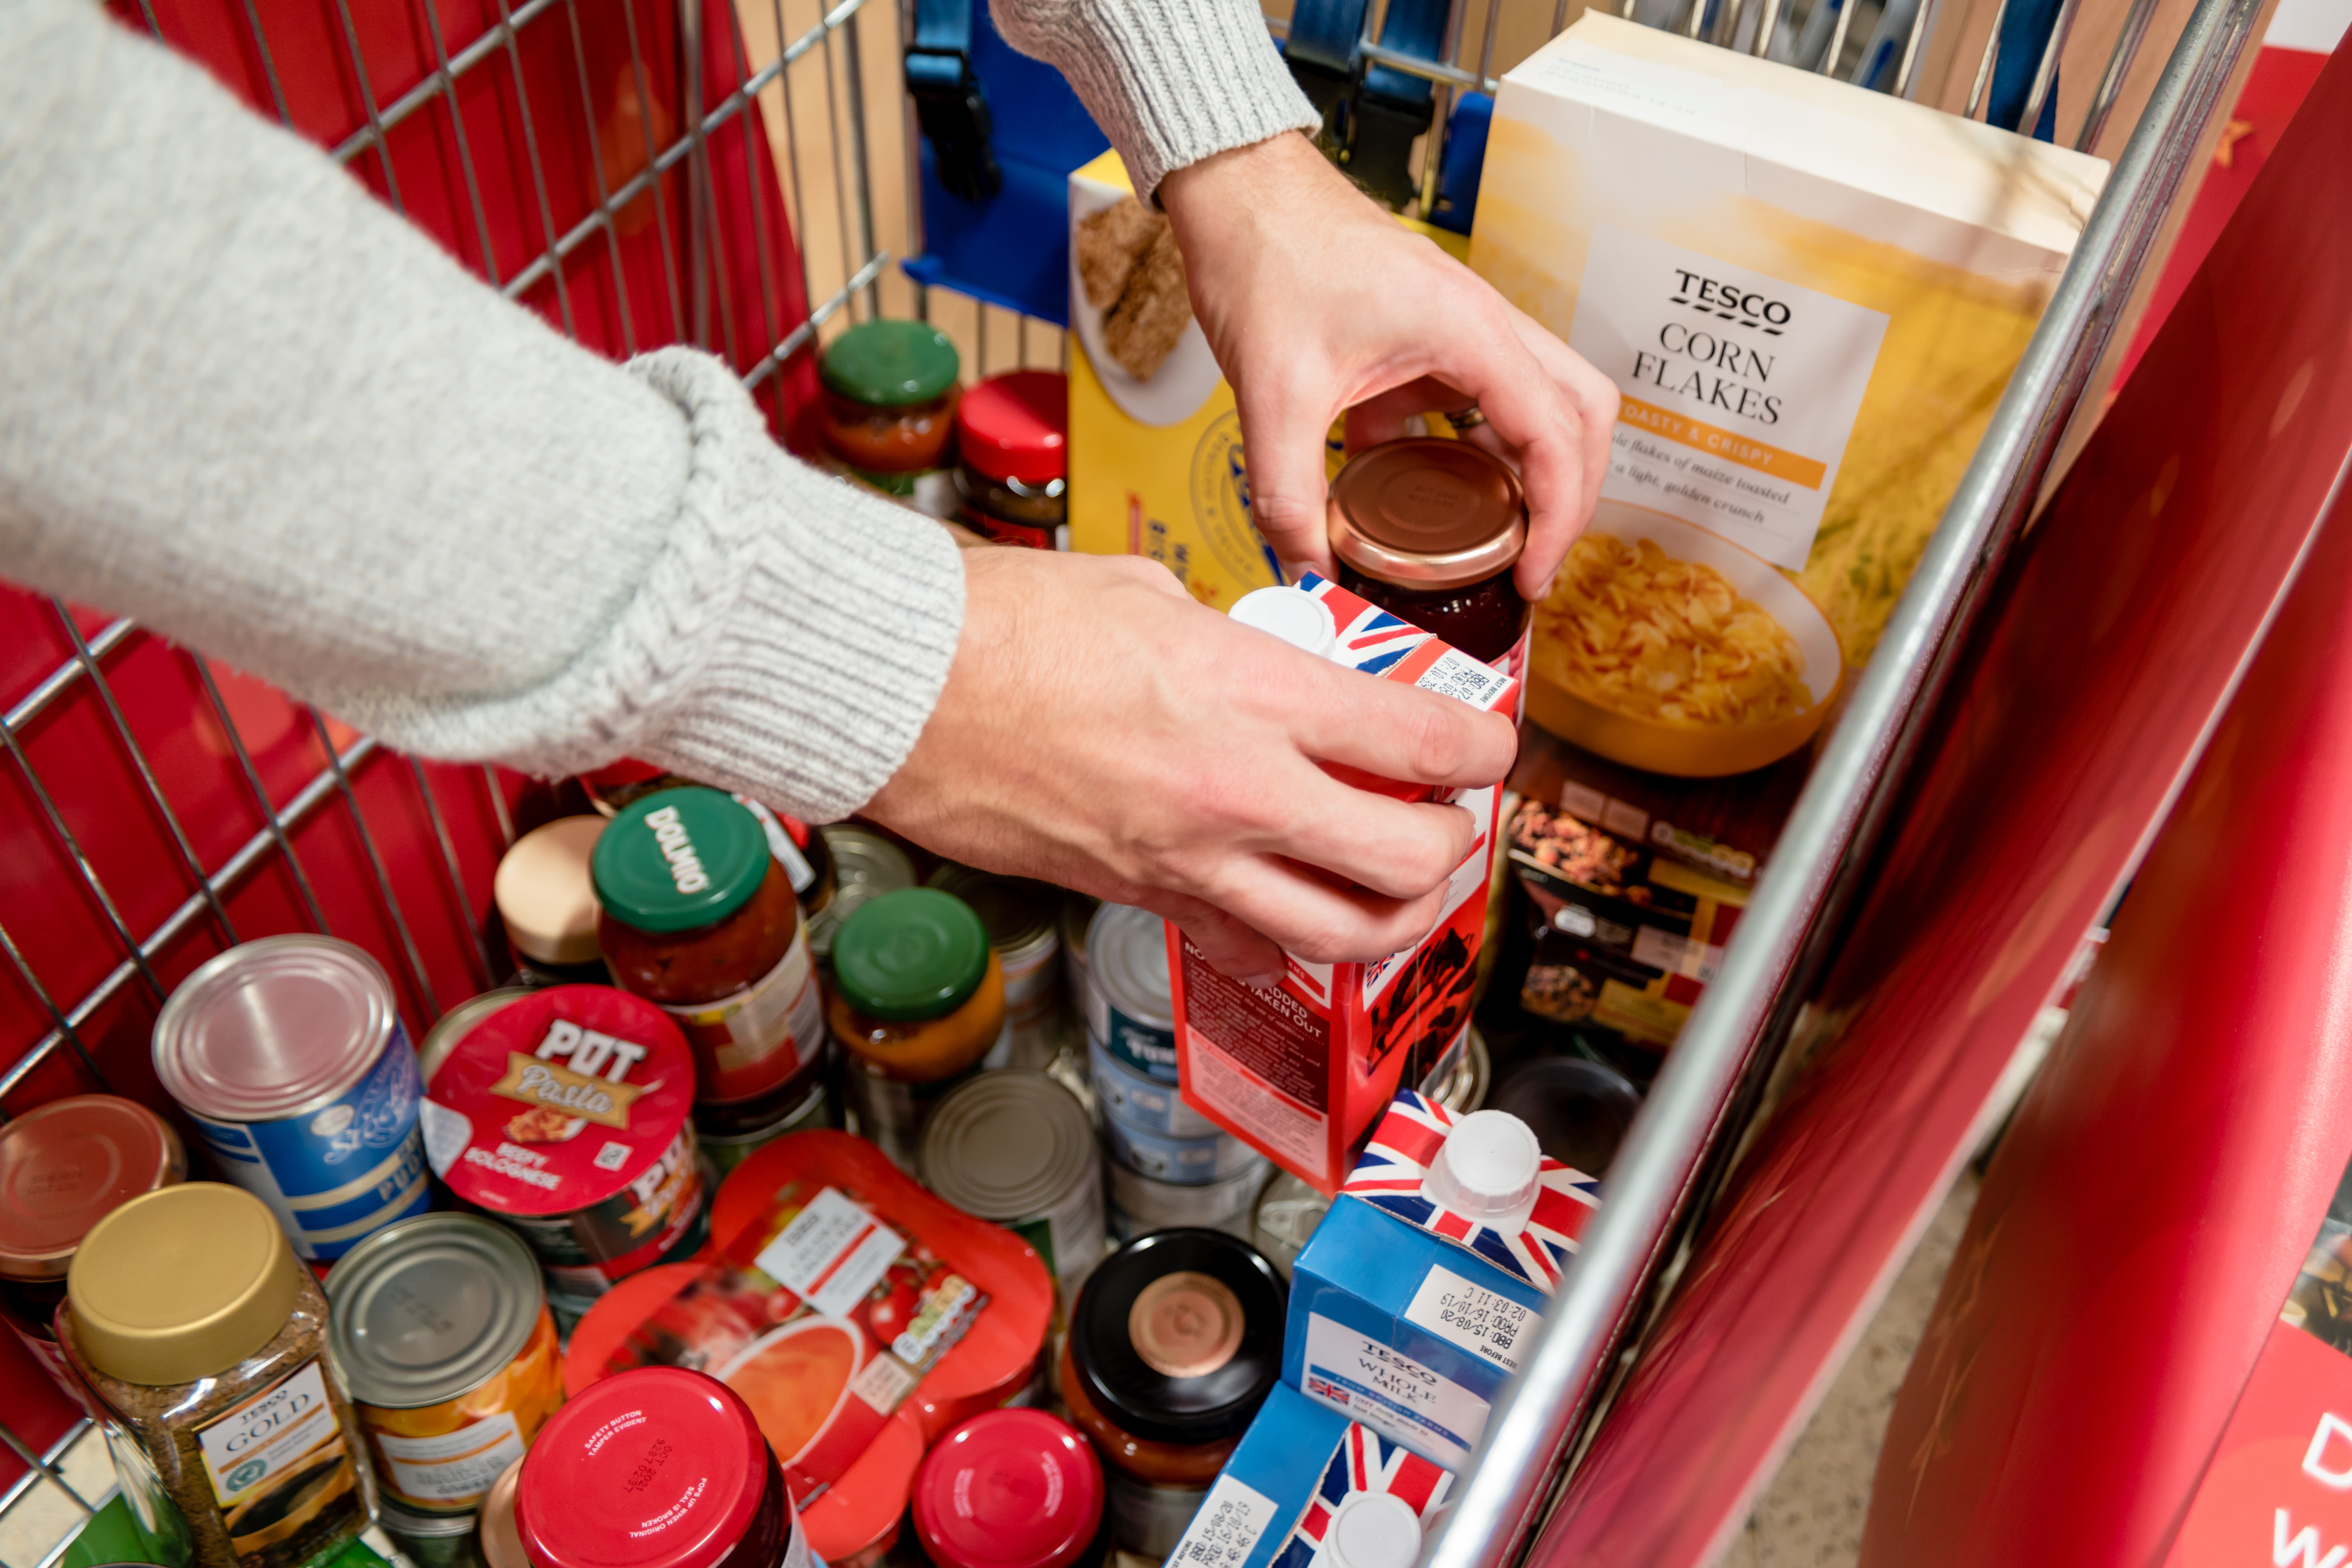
pixel 1301 1070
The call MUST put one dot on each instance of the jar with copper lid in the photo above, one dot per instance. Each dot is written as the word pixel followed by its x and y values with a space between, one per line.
pixel 1175 1342
pixel 1013 457
pixel 889 410
pixel 700 920
pixel 653 1468
pixel 1430 530
pixel 917 1006
pixel 64 1166
pixel 206 1342
pixel 546 900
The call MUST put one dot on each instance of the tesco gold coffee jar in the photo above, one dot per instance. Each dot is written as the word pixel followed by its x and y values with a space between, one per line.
pixel 1024 925
pixel 700 920
pixel 64 1166
pixel 562 1114
pixel 1175 1342
pixel 546 899
pixel 204 1340
pixel 440 1326
pixel 917 1001
pixel 288 1056
pixel 1017 1148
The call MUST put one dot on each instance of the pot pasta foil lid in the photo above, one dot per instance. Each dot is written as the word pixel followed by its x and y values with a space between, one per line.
pixel 824 1316
pixel 1389 1176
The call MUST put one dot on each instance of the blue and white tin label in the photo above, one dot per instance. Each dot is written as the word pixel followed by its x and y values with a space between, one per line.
pixel 1149 1104
pixel 1180 1161
pixel 339 1172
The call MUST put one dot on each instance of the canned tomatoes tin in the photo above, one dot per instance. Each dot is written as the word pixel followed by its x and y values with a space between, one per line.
pixel 1126 1002
pixel 725 1152
pixel 1184 1162
pixel 440 1326
pixel 1139 1206
pixel 1017 1148
pixel 289 1057
pixel 1024 925
pixel 563 1113
pixel 1140 1101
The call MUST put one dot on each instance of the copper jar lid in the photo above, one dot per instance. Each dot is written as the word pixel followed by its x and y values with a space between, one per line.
pixel 1427 514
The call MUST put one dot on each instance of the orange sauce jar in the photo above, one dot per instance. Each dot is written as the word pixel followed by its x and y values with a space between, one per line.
pixel 918 1005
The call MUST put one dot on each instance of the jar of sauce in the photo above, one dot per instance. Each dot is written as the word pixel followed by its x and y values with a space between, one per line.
pixel 1010 1489
pixel 889 410
pixel 655 1468
pixel 64 1166
pixel 799 848
pixel 1013 458
pixel 547 902
pixel 1176 1341
pixel 699 919
pixel 1430 531
pixel 917 1003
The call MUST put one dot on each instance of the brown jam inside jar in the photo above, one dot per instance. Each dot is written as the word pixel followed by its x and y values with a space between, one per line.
pixel 1430 530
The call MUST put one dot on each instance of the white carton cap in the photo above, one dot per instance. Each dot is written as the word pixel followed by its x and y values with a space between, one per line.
pixel 1487 1168
pixel 1294 615
pixel 1374 1530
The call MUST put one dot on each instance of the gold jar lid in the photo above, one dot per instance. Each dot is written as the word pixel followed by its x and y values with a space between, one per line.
pixel 1427 514
pixel 182 1283
pixel 545 893
pixel 1186 1324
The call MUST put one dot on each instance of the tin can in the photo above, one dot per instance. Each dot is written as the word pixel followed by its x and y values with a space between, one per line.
pixel 1579 1110
pixel 725 1152
pixel 432 1540
pixel 1459 1080
pixel 441 1328
pixel 562 1114
pixel 288 1056
pixel 1287 1214
pixel 1126 998
pixel 1023 922
pixel 1184 1162
pixel 452 1026
pixel 1139 1206
pixel 866 866
pixel 1017 1148
pixel 1140 1101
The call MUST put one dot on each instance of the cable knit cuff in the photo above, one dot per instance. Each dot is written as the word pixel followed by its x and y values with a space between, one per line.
pixel 1169 81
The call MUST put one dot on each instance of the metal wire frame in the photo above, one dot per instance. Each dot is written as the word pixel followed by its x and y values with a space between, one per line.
pixel 47 1466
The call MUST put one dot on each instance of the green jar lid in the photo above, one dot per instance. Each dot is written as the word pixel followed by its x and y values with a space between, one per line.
pixel 914 953
pixel 677 859
pixel 888 364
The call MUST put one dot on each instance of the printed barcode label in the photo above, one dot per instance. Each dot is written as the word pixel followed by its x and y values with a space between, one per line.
pixel 1232 1517
pixel 1455 674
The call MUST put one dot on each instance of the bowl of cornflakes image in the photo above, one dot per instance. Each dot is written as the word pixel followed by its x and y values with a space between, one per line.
pixel 1668 647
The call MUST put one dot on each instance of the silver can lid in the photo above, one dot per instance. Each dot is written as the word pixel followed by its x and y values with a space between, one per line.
pixel 273 1028
pixel 1126 963
pixel 453 1025
pixel 427 1309
pixel 1156 1204
pixel 1008 1145
pixel 1022 916
pixel 865 866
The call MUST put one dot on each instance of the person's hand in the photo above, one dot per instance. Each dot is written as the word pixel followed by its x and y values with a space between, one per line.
pixel 1316 302
pixel 1100 730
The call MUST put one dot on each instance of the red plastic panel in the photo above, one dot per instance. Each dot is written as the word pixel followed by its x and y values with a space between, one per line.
pixel 2119 628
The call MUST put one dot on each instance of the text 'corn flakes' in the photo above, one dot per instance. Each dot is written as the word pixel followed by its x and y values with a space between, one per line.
pixel 1645 635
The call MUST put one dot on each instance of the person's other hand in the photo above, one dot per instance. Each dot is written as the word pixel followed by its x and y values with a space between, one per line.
pixel 1315 301
pixel 1100 730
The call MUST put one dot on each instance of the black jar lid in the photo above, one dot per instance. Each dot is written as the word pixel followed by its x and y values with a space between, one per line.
pixel 1178 1335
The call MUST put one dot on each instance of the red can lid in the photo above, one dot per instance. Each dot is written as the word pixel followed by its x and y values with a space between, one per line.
pixel 1017 425
pixel 655 1468
pixel 68 1164
pixel 1009 1488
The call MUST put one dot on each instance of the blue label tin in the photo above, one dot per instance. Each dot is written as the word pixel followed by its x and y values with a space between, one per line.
pixel 1127 993
pixel 1180 1162
pixel 1151 1104
pixel 290 1060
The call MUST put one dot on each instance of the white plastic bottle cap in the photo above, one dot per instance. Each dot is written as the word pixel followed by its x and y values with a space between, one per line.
pixel 1294 615
pixel 1374 1530
pixel 1486 1169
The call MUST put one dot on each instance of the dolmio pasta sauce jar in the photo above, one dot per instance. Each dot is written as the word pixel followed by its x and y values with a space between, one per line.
pixel 659 1468
pixel 564 1114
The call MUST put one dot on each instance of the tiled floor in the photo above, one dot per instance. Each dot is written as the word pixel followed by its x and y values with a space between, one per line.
pixel 1811 1514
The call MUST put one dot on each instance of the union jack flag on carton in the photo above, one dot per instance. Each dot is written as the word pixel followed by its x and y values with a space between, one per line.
pixel 1363 1465
pixel 1389 1176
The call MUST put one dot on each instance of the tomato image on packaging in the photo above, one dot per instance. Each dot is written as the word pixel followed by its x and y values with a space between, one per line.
pixel 839 1298
pixel 564 1114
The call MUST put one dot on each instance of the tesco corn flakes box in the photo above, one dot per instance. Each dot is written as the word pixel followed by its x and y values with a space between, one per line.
pixel 1809 295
